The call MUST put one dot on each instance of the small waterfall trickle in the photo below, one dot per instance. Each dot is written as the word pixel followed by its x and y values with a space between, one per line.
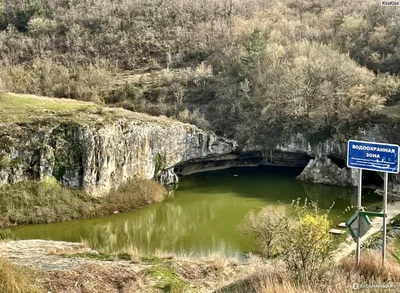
pixel 167 177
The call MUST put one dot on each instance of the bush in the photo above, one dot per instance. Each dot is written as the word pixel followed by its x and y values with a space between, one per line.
pixel 300 236
pixel 307 246
pixel 131 195
pixel 34 202
pixel 267 227
pixel 195 117
pixel 48 78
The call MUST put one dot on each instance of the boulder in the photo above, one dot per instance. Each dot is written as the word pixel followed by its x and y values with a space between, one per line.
pixel 323 170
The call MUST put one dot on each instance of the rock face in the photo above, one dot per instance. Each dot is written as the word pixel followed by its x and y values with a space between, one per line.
pixel 335 146
pixel 298 143
pixel 323 170
pixel 100 156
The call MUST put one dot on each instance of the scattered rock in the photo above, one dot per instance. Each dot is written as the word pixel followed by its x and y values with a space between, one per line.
pixel 336 231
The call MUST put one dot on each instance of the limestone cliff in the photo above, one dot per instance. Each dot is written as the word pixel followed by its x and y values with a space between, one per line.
pixel 99 151
pixel 323 170
pixel 335 146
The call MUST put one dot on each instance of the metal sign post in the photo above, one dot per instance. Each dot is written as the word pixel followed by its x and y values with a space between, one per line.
pixel 378 157
pixel 384 218
pixel 358 250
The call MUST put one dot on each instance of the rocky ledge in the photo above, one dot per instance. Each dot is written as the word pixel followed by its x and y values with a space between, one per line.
pixel 97 150
pixel 43 254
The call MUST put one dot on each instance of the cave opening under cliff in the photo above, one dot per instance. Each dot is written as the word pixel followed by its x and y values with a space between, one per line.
pixel 370 178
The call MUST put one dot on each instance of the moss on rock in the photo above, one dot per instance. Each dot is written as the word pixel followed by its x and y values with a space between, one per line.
pixel 168 280
pixel 159 164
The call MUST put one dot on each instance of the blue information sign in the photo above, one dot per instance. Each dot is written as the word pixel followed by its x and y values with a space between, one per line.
pixel 373 156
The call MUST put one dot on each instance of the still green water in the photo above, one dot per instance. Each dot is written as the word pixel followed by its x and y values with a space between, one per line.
pixel 202 216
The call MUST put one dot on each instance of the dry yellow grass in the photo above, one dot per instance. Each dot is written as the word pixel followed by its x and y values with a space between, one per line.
pixel 371 267
pixel 340 278
pixel 16 280
pixel 91 278
pixel 208 274
pixel 134 254
pixel 266 283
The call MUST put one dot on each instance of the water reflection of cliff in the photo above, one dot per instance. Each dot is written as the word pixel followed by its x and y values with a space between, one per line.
pixel 168 226
pixel 326 195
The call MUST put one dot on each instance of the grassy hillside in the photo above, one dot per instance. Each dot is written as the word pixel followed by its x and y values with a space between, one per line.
pixel 22 108
pixel 25 108
pixel 253 70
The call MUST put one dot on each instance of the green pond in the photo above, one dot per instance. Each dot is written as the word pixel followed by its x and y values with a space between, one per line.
pixel 203 214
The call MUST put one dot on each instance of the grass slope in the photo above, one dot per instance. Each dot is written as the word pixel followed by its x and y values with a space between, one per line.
pixel 25 108
pixel 20 108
